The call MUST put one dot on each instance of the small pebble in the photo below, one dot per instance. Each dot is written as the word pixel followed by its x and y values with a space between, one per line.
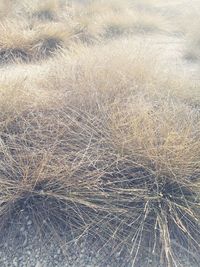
pixel 38 264
pixel 15 264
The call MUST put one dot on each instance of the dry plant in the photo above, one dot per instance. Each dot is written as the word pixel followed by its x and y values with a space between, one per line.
pixel 46 174
pixel 5 8
pixel 46 10
pixel 101 142
pixel 130 21
pixel 193 43
pixel 118 158
pixel 111 18
pixel 153 178
pixel 188 23
pixel 21 41
pixel 119 68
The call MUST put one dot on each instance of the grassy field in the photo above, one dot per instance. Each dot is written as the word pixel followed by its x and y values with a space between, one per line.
pixel 100 125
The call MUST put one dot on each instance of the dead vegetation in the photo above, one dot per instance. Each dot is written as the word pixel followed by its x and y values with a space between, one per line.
pixel 98 140
pixel 192 52
pixel 21 41
pixel 36 30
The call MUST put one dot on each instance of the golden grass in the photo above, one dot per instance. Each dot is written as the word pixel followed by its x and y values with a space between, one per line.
pixel 153 176
pixel 100 139
pixel 21 41
pixel 29 151
pixel 27 39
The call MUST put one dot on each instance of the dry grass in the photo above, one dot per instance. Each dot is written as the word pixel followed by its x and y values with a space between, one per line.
pixel 188 23
pixel 5 8
pixel 193 42
pixel 45 10
pixel 48 170
pixel 98 139
pixel 109 19
pixel 157 175
pixel 26 43
pixel 28 40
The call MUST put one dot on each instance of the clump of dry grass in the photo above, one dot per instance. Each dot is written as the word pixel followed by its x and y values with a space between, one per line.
pixel 117 158
pixel 153 178
pixel 46 10
pixel 100 142
pixel 127 66
pixel 90 23
pixel 193 44
pixel 49 170
pixel 19 41
pixel 191 33
pixel 135 22
pixel 110 19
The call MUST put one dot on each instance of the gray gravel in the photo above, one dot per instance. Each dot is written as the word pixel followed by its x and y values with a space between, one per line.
pixel 22 247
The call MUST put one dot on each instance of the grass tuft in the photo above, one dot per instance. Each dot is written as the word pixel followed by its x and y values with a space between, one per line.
pixel 98 138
